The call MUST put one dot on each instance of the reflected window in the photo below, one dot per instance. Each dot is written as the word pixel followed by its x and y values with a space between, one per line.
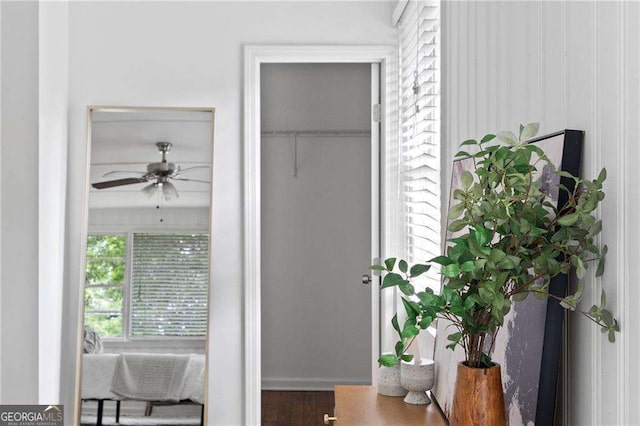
pixel 167 294
pixel 104 289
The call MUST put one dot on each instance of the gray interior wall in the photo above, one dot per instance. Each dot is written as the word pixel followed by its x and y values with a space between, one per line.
pixel 316 314
pixel 19 204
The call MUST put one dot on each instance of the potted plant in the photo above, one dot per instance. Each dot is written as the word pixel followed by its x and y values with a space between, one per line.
pixel 510 240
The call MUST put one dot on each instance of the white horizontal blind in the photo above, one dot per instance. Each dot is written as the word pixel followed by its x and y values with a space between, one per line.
pixel 169 283
pixel 420 133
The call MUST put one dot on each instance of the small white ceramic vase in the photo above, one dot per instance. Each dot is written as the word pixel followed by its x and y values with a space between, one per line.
pixel 417 377
pixel 389 381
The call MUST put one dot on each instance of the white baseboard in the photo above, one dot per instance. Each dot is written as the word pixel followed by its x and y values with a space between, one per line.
pixel 309 383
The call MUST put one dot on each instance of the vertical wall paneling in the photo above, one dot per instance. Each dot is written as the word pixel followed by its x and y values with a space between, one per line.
pixel 617 408
pixel 568 65
pixel 628 371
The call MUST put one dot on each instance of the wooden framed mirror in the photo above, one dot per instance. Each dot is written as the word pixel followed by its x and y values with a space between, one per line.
pixel 146 264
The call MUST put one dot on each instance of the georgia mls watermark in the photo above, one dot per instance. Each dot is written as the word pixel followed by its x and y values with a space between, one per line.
pixel 31 415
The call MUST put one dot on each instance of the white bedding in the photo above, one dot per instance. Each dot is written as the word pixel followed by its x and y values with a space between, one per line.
pixel 184 379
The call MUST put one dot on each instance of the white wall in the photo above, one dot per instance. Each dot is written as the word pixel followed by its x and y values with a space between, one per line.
pixel 19 202
pixel 186 54
pixel 566 65
pixel 316 227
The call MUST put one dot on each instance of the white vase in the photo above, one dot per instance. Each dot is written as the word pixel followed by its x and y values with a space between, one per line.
pixel 417 377
pixel 389 381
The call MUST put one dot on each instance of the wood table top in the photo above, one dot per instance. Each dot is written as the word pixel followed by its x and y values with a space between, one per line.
pixel 363 406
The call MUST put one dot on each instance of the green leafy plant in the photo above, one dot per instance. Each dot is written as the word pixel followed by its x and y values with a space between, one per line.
pixel 510 240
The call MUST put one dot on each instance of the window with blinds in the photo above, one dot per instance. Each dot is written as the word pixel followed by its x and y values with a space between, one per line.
pixel 420 133
pixel 169 283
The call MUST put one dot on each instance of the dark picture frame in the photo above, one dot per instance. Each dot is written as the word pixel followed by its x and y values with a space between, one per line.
pixel 530 342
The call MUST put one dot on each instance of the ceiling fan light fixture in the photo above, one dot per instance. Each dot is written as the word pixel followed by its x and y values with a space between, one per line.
pixel 150 189
pixel 169 191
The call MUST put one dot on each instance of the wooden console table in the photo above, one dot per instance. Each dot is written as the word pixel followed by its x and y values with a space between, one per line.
pixel 362 406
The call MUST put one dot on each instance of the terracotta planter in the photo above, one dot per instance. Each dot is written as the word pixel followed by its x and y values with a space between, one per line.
pixel 478 399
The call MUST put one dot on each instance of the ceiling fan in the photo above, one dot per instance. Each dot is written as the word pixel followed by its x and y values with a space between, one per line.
pixel 159 174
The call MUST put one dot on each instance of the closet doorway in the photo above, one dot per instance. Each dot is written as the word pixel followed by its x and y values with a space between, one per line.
pixel 381 61
pixel 317 126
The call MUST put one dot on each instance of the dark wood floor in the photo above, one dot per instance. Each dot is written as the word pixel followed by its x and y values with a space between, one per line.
pixel 296 408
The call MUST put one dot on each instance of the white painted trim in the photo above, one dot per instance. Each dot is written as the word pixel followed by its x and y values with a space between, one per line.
pixel 376 188
pixel 398 11
pixel 308 384
pixel 254 56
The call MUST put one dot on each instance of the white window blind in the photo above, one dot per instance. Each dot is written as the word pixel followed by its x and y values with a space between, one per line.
pixel 170 277
pixel 419 168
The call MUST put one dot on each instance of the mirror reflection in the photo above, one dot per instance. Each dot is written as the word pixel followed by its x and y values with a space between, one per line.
pixel 147 266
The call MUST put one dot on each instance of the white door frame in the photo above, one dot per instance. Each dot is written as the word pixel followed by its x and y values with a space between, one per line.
pixel 254 56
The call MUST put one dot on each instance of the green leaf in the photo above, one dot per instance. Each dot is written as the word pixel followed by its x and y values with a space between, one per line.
pixel 496 255
pixel 455 337
pixel 509 262
pixel 486 295
pixel 612 336
pixel 508 138
pixel 377 268
pixel 399 347
pixel 483 235
pixel 457 225
pixel 425 322
pixel 442 260
pixel 569 302
pixel 580 268
pixel 469 142
pixel 529 131
pixel 407 288
pixel 462 154
pixel 601 261
pixel 595 228
pixel 487 138
pixel 418 269
pixel 569 219
pixel 388 360
pixel 403 266
pixel 451 270
pixel 407 357
pixel 602 176
pixel 468 266
pixel 392 279
pixel 410 331
pixel 390 263
pixel 394 323
pixel 467 179
pixel 412 309
pixel 468 303
pixel 456 211
pixel 519 297
pixel 603 299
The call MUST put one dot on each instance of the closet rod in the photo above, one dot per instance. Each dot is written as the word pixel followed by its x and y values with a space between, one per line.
pixel 317 133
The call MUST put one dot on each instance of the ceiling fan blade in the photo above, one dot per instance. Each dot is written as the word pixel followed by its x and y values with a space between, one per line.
pixel 117 182
pixel 192 168
pixel 123 173
pixel 192 180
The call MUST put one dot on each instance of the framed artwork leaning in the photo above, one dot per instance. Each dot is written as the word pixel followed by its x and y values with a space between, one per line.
pixel 529 345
